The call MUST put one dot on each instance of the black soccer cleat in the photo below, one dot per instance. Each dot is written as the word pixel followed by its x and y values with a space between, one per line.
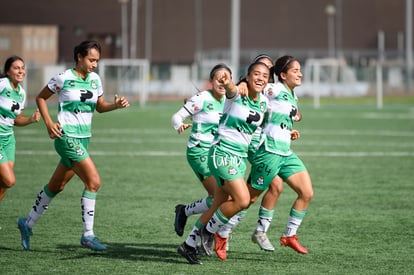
pixel 180 219
pixel 207 240
pixel 189 253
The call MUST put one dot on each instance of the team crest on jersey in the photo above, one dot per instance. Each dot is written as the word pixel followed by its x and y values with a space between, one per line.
pixel 260 180
pixel 94 85
pixel 232 171
pixel 79 151
pixel 262 107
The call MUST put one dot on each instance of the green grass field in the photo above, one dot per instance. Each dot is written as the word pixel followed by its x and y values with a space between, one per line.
pixel 360 221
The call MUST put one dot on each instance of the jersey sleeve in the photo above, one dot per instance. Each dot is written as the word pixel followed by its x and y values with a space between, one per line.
pixel 178 118
pixel 56 83
pixel 100 87
pixel 195 103
pixel 24 99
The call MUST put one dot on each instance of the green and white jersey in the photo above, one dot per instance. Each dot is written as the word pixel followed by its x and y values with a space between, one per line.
pixel 241 117
pixel 279 121
pixel 77 101
pixel 205 113
pixel 11 104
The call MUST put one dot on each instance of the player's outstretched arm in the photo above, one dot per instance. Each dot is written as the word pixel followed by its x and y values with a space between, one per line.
pixel 119 102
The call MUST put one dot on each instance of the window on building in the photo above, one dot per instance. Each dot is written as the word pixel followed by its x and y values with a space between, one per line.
pixel 4 43
pixel 27 43
pixel 44 43
pixel 35 44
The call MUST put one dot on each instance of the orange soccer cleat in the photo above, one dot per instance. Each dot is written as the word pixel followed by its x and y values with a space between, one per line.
pixel 293 242
pixel 220 246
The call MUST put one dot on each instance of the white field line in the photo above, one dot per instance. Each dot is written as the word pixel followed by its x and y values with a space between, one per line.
pixel 182 153
pixel 303 142
pixel 136 133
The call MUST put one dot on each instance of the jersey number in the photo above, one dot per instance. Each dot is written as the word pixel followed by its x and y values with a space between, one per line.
pixel 263 168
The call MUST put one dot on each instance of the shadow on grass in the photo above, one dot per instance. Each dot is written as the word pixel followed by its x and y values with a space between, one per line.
pixel 150 252
pixel 7 248
pixel 153 252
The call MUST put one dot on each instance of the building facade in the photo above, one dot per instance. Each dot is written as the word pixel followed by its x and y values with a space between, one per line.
pixel 36 44
pixel 176 32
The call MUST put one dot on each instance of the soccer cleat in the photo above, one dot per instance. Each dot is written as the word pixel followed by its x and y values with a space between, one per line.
pixel 293 242
pixel 207 239
pixel 25 233
pixel 188 252
pixel 200 251
pixel 263 241
pixel 220 245
pixel 92 242
pixel 180 219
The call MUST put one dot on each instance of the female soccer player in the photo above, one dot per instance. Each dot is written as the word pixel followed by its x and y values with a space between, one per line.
pixel 269 200
pixel 275 157
pixel 80 93
pixel 205 109
pixel 270 197
pixel 227 158
pixel 12 103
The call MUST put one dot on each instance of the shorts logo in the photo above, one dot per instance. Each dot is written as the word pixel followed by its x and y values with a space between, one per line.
pixel 260 180
pixel 79 151
pixel 232 171
pixel 1 156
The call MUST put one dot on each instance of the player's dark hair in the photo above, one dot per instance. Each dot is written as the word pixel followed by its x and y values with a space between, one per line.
pixel 262 55
pixel 282 65
pixel 8 64
pixel 218 67
pixel 84 47
pixel 254 65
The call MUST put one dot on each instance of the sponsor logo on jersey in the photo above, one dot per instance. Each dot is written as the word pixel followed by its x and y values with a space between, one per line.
pixel 194 107
pixel 270 91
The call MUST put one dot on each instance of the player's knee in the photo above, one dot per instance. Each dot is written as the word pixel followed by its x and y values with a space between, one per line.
pixel 8 182
pixel 307 196
pixel 276 190
pixel 94 185
pixel 244 203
